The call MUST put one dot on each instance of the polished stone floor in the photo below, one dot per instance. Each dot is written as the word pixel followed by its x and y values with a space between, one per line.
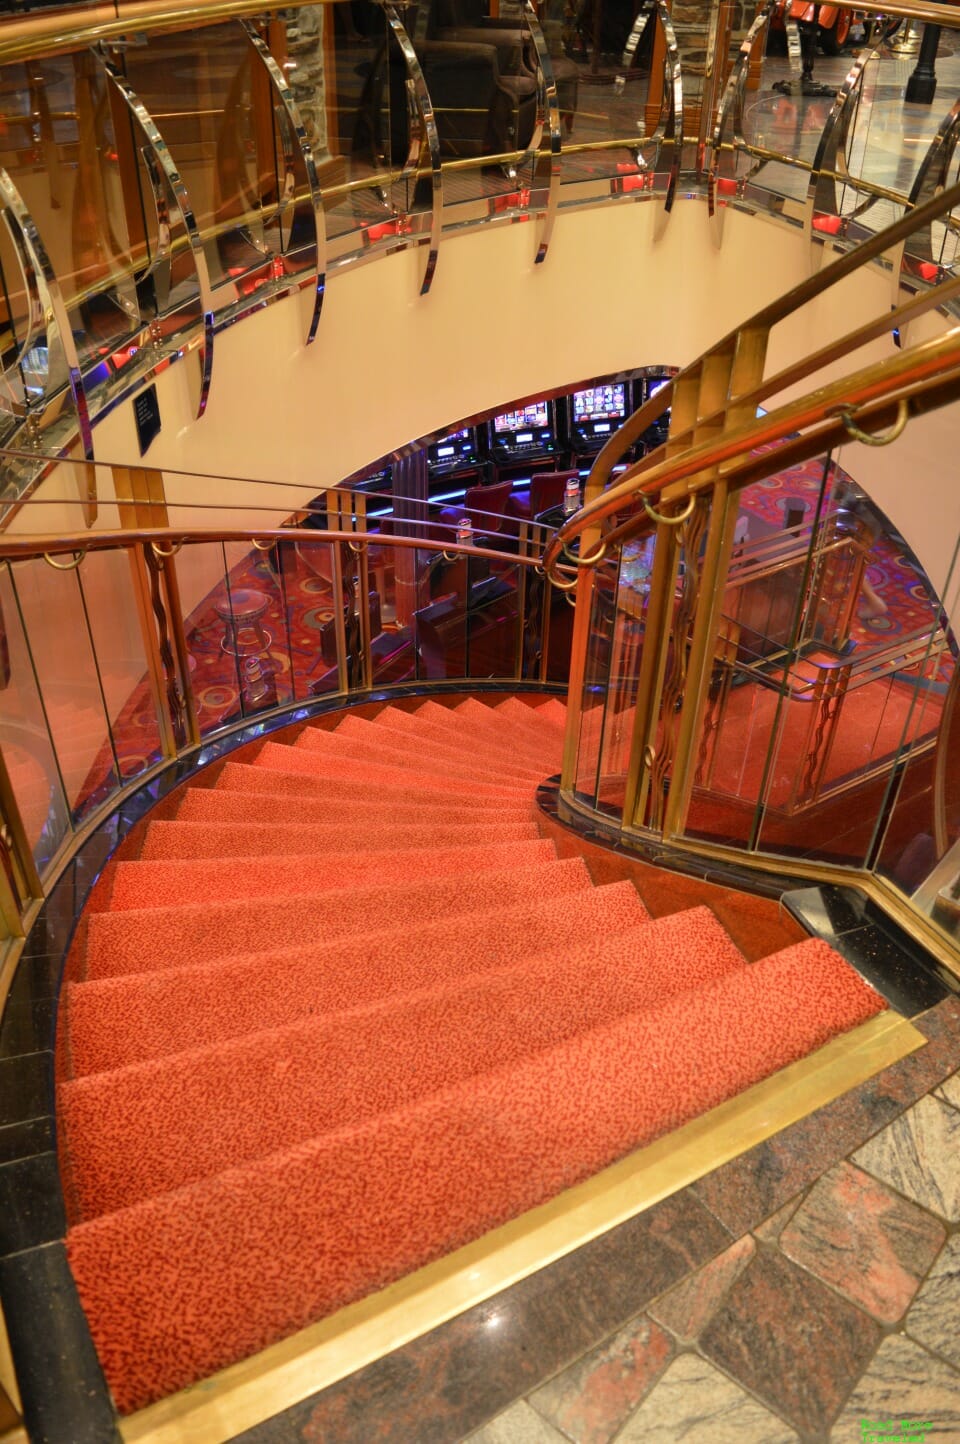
pixel 807 1286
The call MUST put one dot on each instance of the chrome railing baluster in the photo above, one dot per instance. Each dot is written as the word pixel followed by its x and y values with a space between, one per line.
pixel 292 112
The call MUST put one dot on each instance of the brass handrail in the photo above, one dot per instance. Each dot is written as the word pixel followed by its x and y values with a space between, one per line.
pixel 12 547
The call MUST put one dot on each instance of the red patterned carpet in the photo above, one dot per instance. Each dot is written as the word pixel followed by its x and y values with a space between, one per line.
pixel 363 1055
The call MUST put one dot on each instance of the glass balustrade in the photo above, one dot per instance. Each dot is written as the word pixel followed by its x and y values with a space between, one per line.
pixel 160 187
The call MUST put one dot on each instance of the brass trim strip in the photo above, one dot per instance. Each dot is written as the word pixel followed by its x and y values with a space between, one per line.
pixel 289 1372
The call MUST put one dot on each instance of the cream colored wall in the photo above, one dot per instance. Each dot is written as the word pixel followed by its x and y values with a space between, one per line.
pixel 622 286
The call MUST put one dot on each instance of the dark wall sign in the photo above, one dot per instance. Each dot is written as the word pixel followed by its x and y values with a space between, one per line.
pixel 146 413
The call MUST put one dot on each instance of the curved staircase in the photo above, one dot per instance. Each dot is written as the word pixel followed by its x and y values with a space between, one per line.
pixel 348 1010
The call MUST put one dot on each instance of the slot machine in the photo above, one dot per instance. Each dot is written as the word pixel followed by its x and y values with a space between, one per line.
pixel 595 412
pixel 524 439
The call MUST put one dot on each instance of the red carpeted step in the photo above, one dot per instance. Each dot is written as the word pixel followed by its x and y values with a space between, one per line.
pixel 184 839
pixel 534 719
pixel 438 746
pixel 142 940
pixel 306 1230
pixel 163 883
pixel 273 756
pixel 155 1126
pixel 215 804
pixel 455 736
pixel 508 719
pixel 244 777
pixel 384 752
pixel 115 1021
pixel 554 710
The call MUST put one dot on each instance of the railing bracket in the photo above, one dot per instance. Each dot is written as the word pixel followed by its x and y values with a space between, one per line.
pixel 858 434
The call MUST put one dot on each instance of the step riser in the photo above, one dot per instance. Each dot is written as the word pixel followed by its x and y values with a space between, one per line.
pixel 339 1070
pixel 164 884
pixel 143 941
pixel 183 840
pixel 124 1020
pixel 345 1214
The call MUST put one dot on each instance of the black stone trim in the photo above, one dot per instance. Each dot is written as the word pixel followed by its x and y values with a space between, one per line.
pixel 902 971
pixel 65 1396
pixel 910 978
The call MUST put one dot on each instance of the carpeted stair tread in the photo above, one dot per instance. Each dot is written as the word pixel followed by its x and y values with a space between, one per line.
pixel 245 777
pixel 180 839
pixel 164 883
pixel 275 757
pixel 209 804
pixel 120 1020
pixel 310 1228
pixel 154 1126
pixel 385 751
pixel 527 751
pixel 531 719
pixel 510 717
pixel 145 939
pixel 524 759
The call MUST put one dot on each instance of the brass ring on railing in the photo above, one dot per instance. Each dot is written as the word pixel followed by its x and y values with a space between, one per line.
pixel 64 566
pixel 594 557
pixel 164 555
pixel 260 546
pixel 677 520
pixel 566 586
pixel 903 416
pixel 356 547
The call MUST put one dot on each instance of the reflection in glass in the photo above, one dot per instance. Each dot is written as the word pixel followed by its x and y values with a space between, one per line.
pixel 25 738
pixel 54 616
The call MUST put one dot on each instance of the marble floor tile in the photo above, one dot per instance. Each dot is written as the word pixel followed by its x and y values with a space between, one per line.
pixel 770 1230
pixel 904 1383
pixel 518 1425
pixel 950 1090
pixel 934 1319
pixel 750 1188
pixel 696 1403
pixel 919 1155
pixel 867 1242
pixel 689 1307
pixel 590 1400
pixel 791 1341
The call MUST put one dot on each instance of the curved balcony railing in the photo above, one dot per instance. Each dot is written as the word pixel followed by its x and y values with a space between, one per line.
pixel 123 651
pixel 734 692
pixel 164 174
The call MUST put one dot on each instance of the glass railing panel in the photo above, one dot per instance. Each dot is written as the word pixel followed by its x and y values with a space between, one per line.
pixel 758 648
pixel 466 621
pixel 214 675
pixel 629 631
pixel 351 102
pixel 918 835
pixel 309 587
pixel 199 88
pixel 25 737
pixel 609 105
pixel 257 607
pixel 600 640
pixel 59 145
pixel 54 614
pixel 116 627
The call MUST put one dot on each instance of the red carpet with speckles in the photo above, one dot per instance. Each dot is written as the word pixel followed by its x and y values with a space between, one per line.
pixel 347 1011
